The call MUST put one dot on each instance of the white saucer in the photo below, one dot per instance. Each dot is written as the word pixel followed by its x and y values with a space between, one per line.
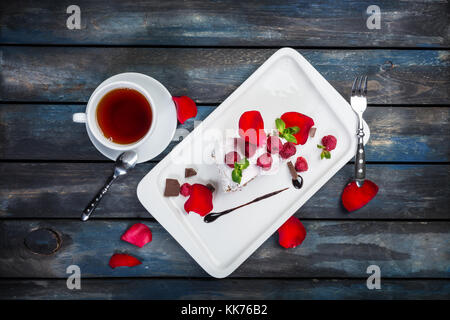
pixel 166 121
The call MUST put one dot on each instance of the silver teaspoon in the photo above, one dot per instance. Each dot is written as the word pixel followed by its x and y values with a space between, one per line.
pixel 124 163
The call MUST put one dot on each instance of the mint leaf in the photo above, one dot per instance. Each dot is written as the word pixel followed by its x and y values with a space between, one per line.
pixel 245 164
pixel 236 175
pixel 320 147
pixel 289 137
pixel 280 125
pixel 325 154
pixel 292 130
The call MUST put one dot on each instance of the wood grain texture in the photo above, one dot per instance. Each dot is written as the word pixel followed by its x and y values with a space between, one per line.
pixel 70 74
pixel 58 190
pixel 232 289
pixel 331 249
pixel 46 132
pixel 228 23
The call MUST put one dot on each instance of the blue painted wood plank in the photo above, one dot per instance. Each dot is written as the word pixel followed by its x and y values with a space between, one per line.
pixel 228 23
pixel 331 249
pixel 230 289
pixel 70 74
pixel 58 190
pixel 46 132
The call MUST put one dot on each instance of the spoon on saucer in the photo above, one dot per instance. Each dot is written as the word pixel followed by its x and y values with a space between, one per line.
pixel 124 163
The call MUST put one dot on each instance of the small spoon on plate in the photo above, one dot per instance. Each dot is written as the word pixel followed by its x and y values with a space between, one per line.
pixel 124 163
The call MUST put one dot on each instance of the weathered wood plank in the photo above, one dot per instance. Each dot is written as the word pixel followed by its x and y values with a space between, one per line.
pixel 228 23
pixel 233 289
pixel 331 249
pixel 61 190
pixel 46 132
pixel 70 74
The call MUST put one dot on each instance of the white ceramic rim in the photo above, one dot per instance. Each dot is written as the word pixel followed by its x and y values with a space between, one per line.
pixel 91 114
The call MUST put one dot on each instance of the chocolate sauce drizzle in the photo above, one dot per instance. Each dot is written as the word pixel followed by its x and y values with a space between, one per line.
pixel 298 183
pixel 214 215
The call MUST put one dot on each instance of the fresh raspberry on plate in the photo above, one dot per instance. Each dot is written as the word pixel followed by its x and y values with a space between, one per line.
pixel 274 144
pixel 288 150
pixel 301 165
pixel 232 157
pixel 329 142
pixel 264 161
pixel 185 189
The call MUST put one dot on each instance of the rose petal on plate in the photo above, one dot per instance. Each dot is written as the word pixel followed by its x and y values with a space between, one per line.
pixel 291 233
pixel 138 234
pixel 186 108
pixel 200 200
pixel 251 127
pixel 123 260
pixel 296 119
pixel 354 197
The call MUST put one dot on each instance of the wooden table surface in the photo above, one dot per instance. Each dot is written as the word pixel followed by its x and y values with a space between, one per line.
pixel 49 170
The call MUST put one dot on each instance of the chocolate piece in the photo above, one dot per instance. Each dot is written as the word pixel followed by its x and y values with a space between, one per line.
pixel 189 172
pixel 211 187
pixel 312 132
pixel 292 170
pixel 172 188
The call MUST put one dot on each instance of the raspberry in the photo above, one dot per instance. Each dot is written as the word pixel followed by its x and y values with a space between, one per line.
pixel 288 150
pixel 250 149
pixel 274 144
pixel 264 161
pixel 329 142
pixel 301 164
pixel 185 189
pixel 232 157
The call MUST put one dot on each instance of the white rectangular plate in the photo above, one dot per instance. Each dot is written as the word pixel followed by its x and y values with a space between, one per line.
pixel 285 82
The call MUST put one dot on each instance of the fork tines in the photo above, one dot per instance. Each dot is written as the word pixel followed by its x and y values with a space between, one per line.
pixel 359 87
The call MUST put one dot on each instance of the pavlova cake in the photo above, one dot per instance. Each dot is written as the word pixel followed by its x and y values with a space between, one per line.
pixel 255 151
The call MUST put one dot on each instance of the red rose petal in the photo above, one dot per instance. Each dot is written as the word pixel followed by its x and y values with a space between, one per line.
pixel 251 127
pixel 186 108
pixel 200 200
pixel 138 234
pixel 354 198
pixel 123 260
pixel 291 233
pixel 296 119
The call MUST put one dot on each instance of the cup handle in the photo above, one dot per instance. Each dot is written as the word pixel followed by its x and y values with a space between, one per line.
pixel 79 117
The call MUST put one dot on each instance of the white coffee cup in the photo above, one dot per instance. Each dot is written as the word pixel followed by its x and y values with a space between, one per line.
pixel 89 117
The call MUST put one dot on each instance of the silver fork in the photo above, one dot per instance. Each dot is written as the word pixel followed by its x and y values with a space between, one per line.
pixel 359 103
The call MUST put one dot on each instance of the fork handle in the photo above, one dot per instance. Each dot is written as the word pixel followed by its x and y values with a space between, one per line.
pixel 360 159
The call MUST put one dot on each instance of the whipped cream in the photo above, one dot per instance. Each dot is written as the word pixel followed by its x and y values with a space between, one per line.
pixel 251 172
